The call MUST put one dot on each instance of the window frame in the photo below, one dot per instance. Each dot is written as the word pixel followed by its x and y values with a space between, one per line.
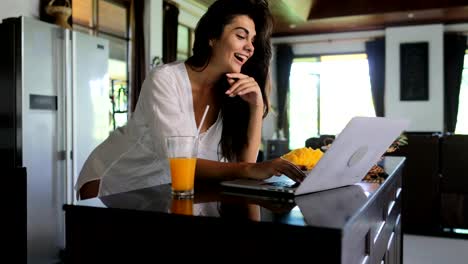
pixel 318 59
pixel 95 30
pixel 191 36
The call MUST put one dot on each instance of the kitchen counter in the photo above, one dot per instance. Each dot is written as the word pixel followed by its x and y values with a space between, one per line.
pixel 360 223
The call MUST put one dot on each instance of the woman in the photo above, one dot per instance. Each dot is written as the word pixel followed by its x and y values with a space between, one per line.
pixel 228 71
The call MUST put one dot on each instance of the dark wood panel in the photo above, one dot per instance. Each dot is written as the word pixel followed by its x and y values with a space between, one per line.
pixel 328 16
pixel 420 182
pixel 337 8
pixel 374 21
pixel 15 215
pixel 454 167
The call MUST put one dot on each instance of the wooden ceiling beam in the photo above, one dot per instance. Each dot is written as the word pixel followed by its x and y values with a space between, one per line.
pixel 290 12
pixel 339 8
pixel 299 17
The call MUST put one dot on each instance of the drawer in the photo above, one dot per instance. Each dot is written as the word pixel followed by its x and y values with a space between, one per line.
pixel 387 211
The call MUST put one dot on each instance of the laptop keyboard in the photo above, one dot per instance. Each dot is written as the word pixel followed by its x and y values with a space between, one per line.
pixel 283 184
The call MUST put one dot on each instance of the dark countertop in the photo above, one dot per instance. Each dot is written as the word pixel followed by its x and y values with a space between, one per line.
pixel 327 209
pixel 360 223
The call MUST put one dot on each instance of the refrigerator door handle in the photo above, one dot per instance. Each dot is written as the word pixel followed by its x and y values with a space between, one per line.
pixel 70 179
pixel 62 155
pixel 74 107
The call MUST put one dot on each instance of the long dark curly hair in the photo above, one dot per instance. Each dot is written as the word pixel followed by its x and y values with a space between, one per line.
pixel 235 112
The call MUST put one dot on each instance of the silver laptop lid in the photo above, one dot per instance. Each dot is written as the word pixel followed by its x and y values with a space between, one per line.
pixel 354 151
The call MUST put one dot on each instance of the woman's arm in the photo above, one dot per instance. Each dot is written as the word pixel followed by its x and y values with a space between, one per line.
pixel 216 170
pixel 254 135
pixel 89 189
pixel 247 88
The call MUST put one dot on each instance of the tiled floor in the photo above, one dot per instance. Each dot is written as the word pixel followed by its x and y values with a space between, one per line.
pixel 434 250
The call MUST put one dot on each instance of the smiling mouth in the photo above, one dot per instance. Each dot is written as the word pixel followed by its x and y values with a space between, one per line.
pixel 241 57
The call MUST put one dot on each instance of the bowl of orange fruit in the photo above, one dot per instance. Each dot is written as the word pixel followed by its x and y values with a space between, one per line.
pixel 305 158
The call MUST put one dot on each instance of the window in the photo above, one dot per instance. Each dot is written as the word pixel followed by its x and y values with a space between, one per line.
pixel 462 118
pixel 109 19
pixel 185 36
pixel 325 93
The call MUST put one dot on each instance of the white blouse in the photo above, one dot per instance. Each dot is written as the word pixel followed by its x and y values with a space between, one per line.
pixel 134 156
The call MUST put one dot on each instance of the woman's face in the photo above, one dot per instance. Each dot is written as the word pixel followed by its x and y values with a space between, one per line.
pixel 235 46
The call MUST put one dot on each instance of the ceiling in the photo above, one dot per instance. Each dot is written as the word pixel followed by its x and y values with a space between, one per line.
pixel 299 17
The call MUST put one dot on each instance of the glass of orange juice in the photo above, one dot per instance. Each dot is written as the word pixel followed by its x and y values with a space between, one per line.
pixel 182 154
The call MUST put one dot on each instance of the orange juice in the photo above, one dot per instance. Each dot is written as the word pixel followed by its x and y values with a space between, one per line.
pixel 182 206
pixel 182 173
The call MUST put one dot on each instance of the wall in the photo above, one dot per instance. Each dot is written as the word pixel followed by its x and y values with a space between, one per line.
pixel 329 43
pixel 424 115
pixel 15 8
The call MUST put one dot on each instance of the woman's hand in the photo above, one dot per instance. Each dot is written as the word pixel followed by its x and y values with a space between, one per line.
pixel 275 167
pixel 246 87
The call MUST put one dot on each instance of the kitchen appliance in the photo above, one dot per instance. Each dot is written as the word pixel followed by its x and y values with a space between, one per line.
pixel 54 111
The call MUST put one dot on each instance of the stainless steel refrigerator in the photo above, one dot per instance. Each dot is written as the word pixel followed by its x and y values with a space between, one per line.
pixel 54 110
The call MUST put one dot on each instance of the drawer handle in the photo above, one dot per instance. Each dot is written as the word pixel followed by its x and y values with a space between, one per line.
pixel 390 207
pixel 397 222
pixel 365 260
pixel 379 230
pixel 398 193
pixel 390 241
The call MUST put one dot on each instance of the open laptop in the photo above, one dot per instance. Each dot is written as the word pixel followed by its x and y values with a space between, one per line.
pixel 351 155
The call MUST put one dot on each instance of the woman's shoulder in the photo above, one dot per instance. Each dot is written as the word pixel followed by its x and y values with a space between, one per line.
pixel 164 78
pixel 173 68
